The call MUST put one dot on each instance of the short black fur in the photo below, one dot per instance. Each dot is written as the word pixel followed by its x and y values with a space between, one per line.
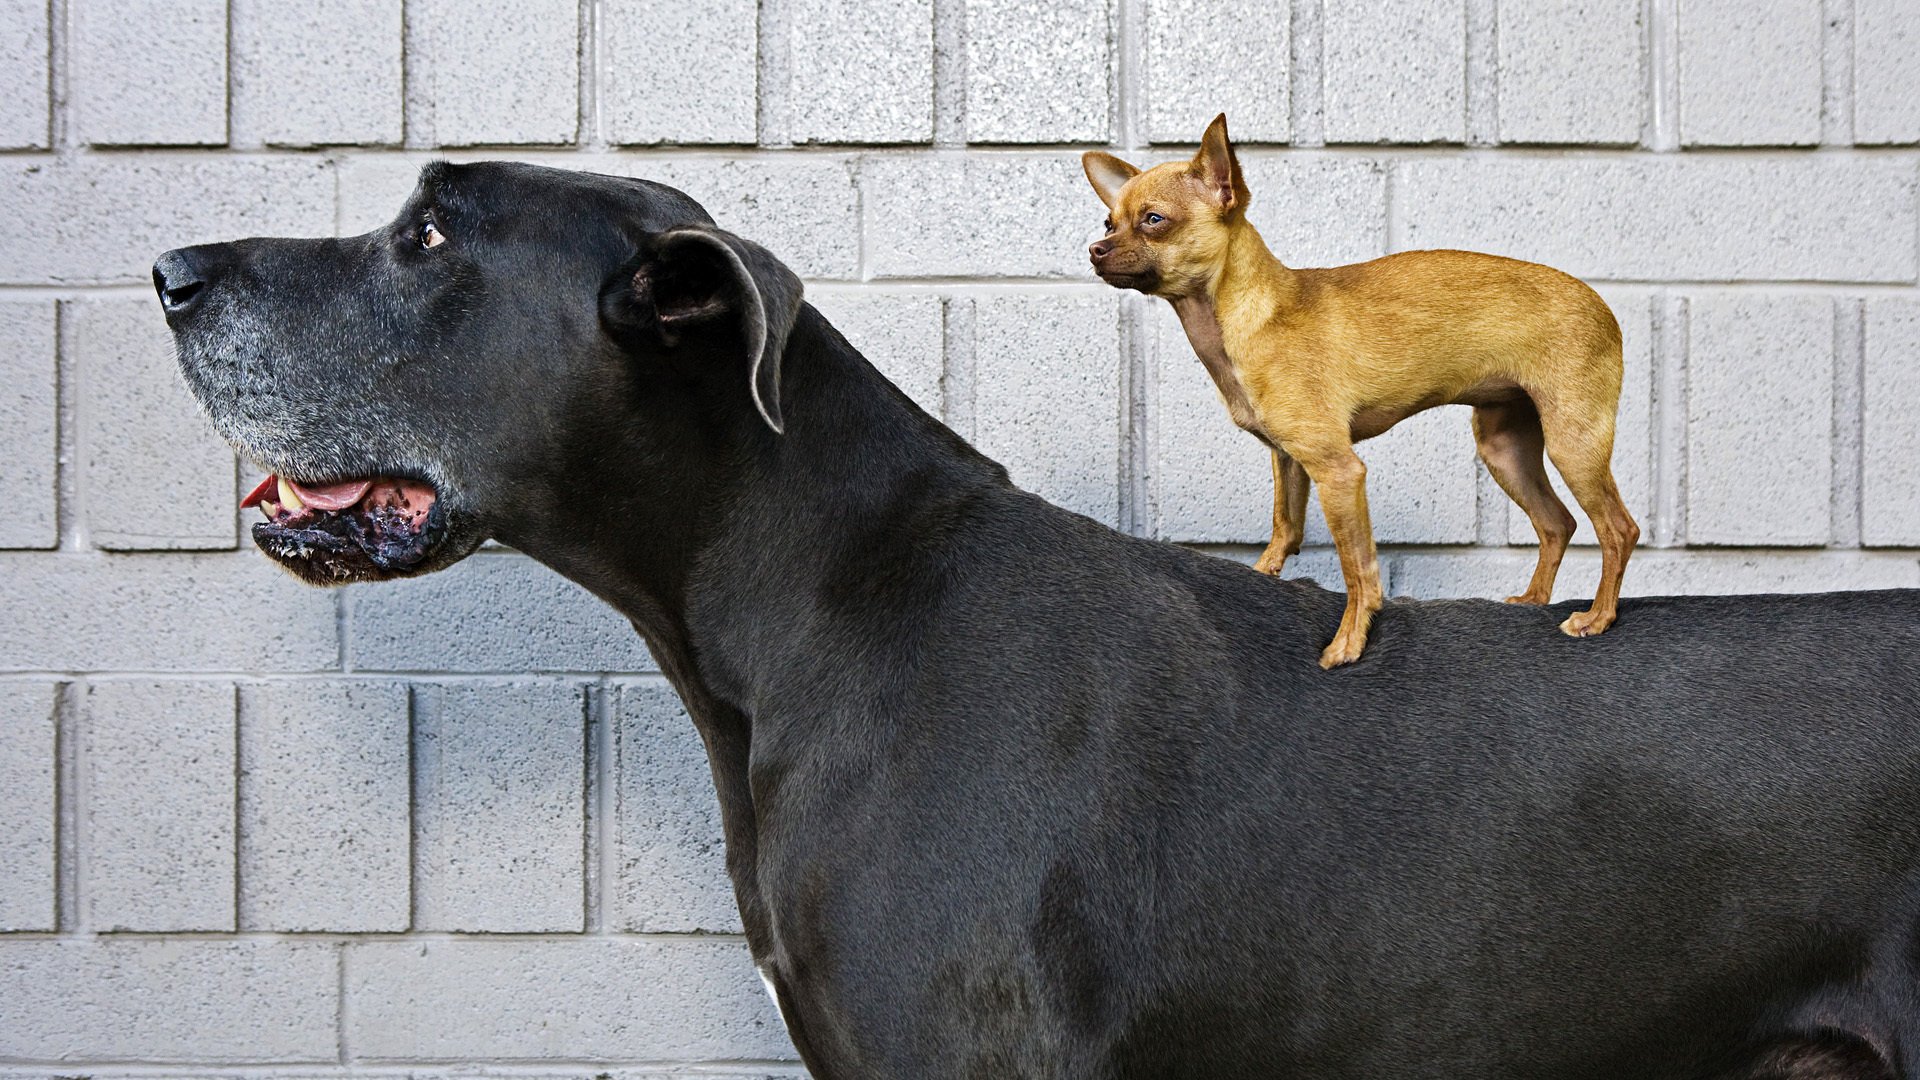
pixel 1008 794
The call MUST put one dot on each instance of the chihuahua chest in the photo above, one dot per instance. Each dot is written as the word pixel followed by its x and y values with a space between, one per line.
pixel 1203 332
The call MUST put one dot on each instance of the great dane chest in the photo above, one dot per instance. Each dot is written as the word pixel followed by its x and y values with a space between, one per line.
pixel 1203 333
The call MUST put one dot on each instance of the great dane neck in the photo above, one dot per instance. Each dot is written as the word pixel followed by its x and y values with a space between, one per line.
pixel 805 529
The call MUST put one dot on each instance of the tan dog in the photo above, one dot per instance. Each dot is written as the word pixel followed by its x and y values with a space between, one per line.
pixel 1313 361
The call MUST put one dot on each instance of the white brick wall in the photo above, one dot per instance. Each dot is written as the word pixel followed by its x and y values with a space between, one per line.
pixel 1571 71
pixel 158 815
pixel 461 823
pixel 149 72
pixel 1749 72
pixel 324 791
pixel 1394 70
pixel 24 85
pixel 314 74
pixel 28 417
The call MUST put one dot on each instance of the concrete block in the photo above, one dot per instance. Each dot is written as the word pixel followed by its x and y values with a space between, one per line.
pixel 510 77
pixel 499 810
pixel 1671 217
pixel 1395 70
pixel 671 858
pixel 1653 572
pixel 149 73
pixel 1047 401
pixel 27 809
pixel 29 418
pixel 157 830
pixel 493 612
pixel 1759 419
pixel 317 73
pixel 1207 481
pixel 1886 83
pixel 325 790
pixel 903 333
pixel 680 73
pixel 594 999
pixel 860 75
pixel 1750 72
pixel 92 612
pixel 24 83
pixel 154 475
pixel 1206 57
pixel 138 205
pixel 1744 573
pixel 1571 71
pixel 164 1002
pixel 1315 211
pixel 1037 73
pixel 1633 427
pixel 1000 215
pixel 1890 477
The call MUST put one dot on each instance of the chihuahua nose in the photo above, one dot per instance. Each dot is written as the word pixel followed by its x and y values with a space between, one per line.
pixel 1100 249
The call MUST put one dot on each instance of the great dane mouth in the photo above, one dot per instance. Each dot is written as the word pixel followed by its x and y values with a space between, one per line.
pixel 348 530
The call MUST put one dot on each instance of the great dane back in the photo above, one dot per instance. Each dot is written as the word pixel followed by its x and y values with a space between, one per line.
pixel 1008 794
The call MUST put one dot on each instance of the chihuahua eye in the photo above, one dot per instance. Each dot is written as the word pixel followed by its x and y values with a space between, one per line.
pixel 1107 224
pixel 1153 219
pixel 431 237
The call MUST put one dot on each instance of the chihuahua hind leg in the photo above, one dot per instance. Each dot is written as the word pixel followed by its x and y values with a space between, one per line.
pixel 1581 448
pixel 1289 513
pixel 1511 443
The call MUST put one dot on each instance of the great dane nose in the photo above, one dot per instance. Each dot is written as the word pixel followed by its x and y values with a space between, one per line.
pixel 179 279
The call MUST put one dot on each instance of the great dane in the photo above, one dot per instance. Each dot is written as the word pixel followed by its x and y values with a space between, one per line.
pixel 1008 794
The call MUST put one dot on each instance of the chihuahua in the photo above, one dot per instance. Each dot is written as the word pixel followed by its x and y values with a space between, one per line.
pixel 1313 361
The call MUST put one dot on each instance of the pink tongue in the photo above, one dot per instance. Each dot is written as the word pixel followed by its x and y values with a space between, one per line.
pixel 331 496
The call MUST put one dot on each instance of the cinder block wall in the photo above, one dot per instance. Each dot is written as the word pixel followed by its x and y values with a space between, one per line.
pixel 248 828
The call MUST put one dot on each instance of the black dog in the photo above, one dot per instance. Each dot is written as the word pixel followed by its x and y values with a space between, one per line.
pixel 1011 795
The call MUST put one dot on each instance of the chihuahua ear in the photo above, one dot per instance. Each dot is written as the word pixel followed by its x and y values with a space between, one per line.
pixel 1219 169
pixel 697 281
pixel 1107 174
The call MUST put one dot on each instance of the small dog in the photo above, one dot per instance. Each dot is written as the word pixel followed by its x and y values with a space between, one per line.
pixel 1313 361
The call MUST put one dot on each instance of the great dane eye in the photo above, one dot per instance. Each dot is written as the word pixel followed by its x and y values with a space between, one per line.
pixel 430 237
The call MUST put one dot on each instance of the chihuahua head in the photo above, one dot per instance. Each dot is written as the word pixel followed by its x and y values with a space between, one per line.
pixel 1168 227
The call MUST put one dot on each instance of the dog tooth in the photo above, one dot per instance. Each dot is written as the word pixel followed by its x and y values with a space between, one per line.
pixel 289 497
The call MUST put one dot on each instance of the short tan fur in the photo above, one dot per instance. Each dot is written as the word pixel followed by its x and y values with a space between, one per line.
pixel 1312 361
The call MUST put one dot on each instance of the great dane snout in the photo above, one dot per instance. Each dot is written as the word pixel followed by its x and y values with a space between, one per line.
pixel 180 277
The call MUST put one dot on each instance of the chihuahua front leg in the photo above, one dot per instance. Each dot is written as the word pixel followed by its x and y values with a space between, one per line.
pixel 1289 513
pixel 1342 478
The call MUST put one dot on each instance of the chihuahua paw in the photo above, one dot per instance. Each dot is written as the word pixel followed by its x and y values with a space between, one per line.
pixel 1586 623
pixel 1529 598
pixel 1344 650
pixel 1270 565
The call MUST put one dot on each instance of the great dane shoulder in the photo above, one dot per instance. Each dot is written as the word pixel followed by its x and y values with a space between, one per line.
pixel 1008 794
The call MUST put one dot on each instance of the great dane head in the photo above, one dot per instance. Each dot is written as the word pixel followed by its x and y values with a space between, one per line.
pixel 461 372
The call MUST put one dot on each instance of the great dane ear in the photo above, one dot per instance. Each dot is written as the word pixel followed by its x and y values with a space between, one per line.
pixel 697 280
